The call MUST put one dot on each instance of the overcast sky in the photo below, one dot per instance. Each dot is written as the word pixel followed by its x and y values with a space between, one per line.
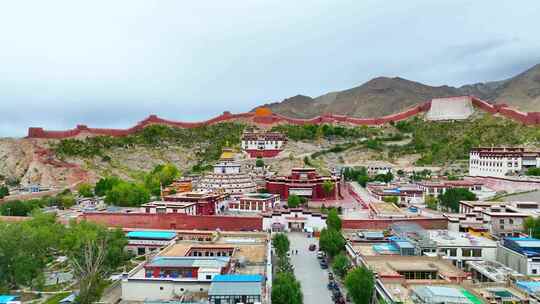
pixel 111 63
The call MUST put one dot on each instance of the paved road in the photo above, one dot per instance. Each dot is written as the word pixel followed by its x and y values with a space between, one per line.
pixel 308 271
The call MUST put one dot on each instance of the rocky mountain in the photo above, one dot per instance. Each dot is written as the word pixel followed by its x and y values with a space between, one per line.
pixel 383 96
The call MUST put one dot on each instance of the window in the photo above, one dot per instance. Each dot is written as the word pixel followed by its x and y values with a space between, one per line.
pixel 477 252
pixel 534 271
pixel 511 221
pixel 453 252
pixel 160 287
pixel 501 221
pixel 208 277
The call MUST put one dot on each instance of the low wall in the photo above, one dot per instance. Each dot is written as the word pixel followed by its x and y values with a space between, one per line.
pixel 175 221
pixel 426 223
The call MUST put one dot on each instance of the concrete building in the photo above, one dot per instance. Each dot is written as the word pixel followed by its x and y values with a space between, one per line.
pixel 436 188
pixel 190 203
pixel 406 194
pixel 498 218
pixel 267 144
pixel 501 161
pixel 521 254
pixel 454 246
pixel 378 167
pixel 398 276
pixel 255 202
pixel 236 288
pixel 178 186
pixel 491 271
pixel 186 269
pixel 305 182
pixel 145 241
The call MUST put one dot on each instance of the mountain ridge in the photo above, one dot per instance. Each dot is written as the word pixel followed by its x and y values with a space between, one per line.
pixel 388 95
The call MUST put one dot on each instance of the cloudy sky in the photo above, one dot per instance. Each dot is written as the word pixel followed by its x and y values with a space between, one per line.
pixel 111 63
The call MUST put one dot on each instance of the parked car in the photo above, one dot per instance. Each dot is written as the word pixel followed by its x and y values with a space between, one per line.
pixel 312 247
pixel 330 276
pixel 324 264
pixel 332 285
pixel 320 254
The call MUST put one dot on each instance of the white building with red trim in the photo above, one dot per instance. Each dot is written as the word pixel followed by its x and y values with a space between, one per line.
pixel 267 144
pixel 501 161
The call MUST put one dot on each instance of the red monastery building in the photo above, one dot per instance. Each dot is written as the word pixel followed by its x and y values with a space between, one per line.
pixel 304 182
pixel 267 144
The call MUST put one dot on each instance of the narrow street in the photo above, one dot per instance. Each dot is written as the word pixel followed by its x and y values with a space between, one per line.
pixel 308 271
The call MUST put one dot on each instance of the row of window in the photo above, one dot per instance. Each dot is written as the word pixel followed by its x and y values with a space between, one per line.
pixel 465 252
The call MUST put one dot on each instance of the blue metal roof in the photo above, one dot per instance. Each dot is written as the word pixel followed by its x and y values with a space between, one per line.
pixel 7 298
pixel 238 278
pixel 522 239
pixel 529 286
pixel 180 262
pixel 373 235
pixel 153 235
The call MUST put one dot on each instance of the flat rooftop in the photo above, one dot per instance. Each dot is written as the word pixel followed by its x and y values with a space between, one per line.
pixel 250 247
pixel 391 267
pixel 458 239
pixel 495 271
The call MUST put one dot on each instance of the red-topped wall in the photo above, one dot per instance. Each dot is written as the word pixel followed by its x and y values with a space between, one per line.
pixel 175 221
pixel 528 118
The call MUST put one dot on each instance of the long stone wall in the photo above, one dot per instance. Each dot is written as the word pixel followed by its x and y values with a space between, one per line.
pixel 175 221
pixel 528 118
pixel 424 222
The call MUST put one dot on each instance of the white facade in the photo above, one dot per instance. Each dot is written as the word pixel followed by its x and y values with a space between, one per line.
pixel 376 168
pixel 140 290
pixel 294 220
pixel 169 207
pixel 452 108
pixel 495 166
pixel 262 144
pixel 500 162
pixel 227 167
pixel 461 247
pixel 139 247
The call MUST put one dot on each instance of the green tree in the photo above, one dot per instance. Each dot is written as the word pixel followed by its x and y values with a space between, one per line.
pixel 25 248
pixel 259 163
pixel 332 220
pixel 94 252
pixel 4 191
pixel 331 242
pixel 360 283
pixel 85 190
pixel 281 243
pixel 105 184
pixel 340 264
pixel 293 201
pixel 328 187
pixel 127 195
pixel 530 171
pixel 531 226
pixel 431 202
pixel 451 197
pixel 362 180
pixel 66 201
pixel 391 199
pixel 286 289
